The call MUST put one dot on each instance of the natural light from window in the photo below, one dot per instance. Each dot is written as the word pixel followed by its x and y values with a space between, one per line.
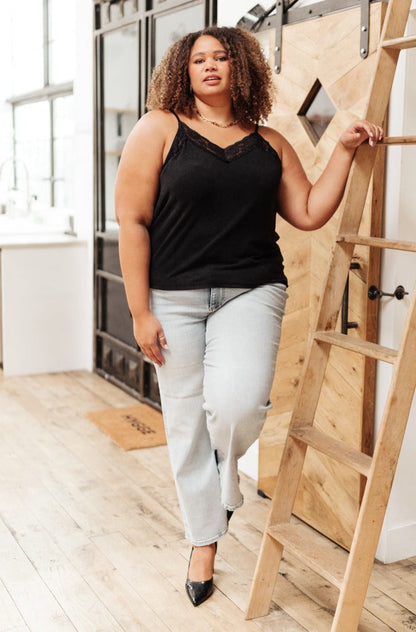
pixel 43 70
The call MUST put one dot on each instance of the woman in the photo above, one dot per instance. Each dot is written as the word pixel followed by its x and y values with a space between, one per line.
pixel 198 188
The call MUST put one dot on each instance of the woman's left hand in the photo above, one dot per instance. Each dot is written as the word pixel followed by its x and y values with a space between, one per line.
pixel 358 132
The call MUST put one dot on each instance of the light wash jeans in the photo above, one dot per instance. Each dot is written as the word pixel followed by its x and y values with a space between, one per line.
pixel 215 386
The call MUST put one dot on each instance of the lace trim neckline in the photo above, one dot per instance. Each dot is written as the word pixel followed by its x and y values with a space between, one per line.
pixel 235 150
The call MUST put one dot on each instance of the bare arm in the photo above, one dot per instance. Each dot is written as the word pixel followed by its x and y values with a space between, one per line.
pixel 135 193
pixel 308 206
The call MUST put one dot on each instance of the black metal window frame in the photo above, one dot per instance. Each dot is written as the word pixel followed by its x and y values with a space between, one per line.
pixel 144 17
pixel 49 92
pixel 110 16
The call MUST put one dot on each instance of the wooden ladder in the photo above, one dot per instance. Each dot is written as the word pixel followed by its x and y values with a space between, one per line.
pixel 350 573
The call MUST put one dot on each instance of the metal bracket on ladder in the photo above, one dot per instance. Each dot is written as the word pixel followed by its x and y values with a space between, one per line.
pixel 365 28
pixel 278 43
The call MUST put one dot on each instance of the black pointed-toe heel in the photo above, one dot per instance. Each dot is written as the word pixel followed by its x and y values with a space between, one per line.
pixel 198 592
pixel 229 514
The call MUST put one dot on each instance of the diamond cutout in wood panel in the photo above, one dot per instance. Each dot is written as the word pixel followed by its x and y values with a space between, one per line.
pixel 317 112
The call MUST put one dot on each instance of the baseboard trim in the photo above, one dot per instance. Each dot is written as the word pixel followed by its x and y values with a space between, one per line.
pixel 397 544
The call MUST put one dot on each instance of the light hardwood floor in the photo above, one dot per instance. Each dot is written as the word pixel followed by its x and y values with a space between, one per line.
pixel 91 537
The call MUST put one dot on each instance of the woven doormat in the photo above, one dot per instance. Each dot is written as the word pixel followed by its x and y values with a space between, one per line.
pixel 131 428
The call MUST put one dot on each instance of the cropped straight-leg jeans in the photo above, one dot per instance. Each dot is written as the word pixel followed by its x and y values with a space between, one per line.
pixel 215 387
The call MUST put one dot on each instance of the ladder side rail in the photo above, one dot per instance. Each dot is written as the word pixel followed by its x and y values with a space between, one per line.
pixel 294 452
pixel 333 287
pixel 378 99
pixel 306 401
pixel 265 577
pixel 317 356
pixel 380 481
pixel 289 474
pixel 396 19
pixel 361 170
pixel 281 508
pixel 352 210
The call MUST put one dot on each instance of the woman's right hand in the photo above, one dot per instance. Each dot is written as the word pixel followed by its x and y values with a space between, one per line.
pixel 149 336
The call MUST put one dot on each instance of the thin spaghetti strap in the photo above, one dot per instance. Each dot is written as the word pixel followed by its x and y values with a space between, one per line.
pixel 173 112
pixel 256 129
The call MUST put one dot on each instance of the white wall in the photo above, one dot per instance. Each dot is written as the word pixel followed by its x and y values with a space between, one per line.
pixel 84 160
pixel 5 85
pixel 230 11
pixel 398 537
pixel 83 98
pixel 83 154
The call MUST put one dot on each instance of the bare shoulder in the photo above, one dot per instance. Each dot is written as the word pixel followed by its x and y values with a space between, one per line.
pixel 140 165
pixel 150 136
pixel 155 125
pixel 158 121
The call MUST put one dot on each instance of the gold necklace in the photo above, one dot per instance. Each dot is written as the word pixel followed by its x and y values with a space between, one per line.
pixel 207 120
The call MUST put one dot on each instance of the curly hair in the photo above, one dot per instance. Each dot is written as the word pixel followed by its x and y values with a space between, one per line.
pixel 252 90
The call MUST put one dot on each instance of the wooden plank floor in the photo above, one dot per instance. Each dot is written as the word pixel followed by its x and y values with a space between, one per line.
pixel 91 537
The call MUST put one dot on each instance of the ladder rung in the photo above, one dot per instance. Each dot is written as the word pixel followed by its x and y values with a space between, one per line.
pixel 333 448
pixel 377 242
pixel 400 42
pixel 398 140
pixel 370 349
pixel 313 549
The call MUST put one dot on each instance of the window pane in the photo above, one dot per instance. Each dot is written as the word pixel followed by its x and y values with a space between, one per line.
pixel 27 46
pixel 121 81
pixel 169 28
pixel 63 145
pixel 33 147
pixel 61 41
pixel 130 7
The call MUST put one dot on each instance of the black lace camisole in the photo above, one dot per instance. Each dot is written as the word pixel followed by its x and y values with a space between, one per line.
pixel 214 217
